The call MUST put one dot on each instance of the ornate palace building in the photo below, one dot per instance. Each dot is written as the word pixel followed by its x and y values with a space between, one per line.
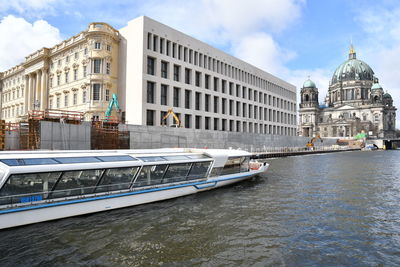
pixel 79 74
pixel 355 103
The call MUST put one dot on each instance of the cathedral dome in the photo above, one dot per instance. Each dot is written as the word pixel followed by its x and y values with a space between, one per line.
pixel 353 69
pixel 309 84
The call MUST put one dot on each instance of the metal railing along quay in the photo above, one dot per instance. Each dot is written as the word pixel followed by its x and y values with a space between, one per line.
pixel 275 152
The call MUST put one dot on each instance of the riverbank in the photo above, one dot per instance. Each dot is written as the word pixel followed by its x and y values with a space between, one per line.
pixel 292 152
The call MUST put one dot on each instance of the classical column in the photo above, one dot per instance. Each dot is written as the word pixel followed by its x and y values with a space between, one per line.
pixel 31 91
pixel 44 91
pixel 37 89
pixel 26 93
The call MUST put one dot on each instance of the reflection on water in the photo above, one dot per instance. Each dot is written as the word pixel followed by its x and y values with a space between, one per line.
pixel 329 209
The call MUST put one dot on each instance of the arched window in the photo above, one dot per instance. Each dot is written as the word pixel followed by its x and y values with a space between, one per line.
pixel 306 98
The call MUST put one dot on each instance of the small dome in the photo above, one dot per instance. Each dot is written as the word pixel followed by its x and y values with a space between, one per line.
pixel 376 86
pixel 309 84
pixel 387 96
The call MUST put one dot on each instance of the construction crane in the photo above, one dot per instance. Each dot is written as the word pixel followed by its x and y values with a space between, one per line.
pixel 310 143
pixel 113 102
pixel 176 118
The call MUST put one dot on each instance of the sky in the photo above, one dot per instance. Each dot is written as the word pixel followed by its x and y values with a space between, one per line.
pixel 292 39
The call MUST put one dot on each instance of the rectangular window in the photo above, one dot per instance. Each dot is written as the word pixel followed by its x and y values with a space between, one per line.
pixel 84 97
pixel 96 91
pixel 198 78
pixel 150 66
pixel 188 119
pixel 162 40
pixel 216 124
pixel 164 94
pixel 177 92
pixel 150 92
pixel 97 66
pixel 75 98
pixel 197 101
pixel 66 76
pixel 216 104
pixel 188 73
pixel 108 47
pixel 216 81
pixel 58 79
pixel 177 71
pixel 58 101
pixel 66 101
pixel 223 86
pixel 164 69
pixel 75 74
pixel 223 107
pixel 107 94
pixel 207 102
pixel 108 68
pixel 76 55
pixel 188 100
pixel 155 43
pixel 207 123
pixel 207 81
pixel 97 45
pixel 84 71
pixel 198 122
pixel 50 104
pixel 149 40
pixel 150 117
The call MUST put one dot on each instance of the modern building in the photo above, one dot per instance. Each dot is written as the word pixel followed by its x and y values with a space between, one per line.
pixel 152 68
pixel 355 103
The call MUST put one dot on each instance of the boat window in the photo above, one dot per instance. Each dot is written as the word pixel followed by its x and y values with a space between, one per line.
pixel 216 171
pixel 232 166
pixel 77 160
pixel 150 175
pixel 33 187
pixel 244 164
pixel 116 179
pixel 198 156
pixel 151 159
pixel 176 173
pixel 199 170
pixel 40 161
pixel 13 162
pixel 180 157
pixel 33 161
pixel 74 183
pixel 116 158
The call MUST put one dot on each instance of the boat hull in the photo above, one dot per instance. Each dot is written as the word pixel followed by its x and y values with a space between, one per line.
pixel 58 210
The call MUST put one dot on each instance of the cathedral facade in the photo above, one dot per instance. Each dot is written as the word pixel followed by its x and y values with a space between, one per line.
pixel 355 103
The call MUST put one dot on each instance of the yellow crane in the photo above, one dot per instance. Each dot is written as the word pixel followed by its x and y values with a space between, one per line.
pixel 176 118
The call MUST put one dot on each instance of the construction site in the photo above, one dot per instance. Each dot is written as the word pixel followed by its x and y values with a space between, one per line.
pixel 60 129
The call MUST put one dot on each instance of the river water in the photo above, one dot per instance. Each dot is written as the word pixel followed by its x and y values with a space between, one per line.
pixel 329 209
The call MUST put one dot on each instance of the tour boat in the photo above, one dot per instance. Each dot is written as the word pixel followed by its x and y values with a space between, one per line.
pixel 38 186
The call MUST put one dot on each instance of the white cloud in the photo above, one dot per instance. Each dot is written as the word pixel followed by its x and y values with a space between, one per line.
pixel 24 6
pixel 21 38
pixel 262 51
pixel 381 49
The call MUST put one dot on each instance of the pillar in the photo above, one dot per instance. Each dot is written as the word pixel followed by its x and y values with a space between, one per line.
pixel 26 93
pixel 44 91
pixel 31 91
pixel 37 89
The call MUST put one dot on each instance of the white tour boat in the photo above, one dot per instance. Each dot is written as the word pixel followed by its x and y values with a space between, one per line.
pixel 39 186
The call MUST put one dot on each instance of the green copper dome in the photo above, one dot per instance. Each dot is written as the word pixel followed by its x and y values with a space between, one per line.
pixel 387 96
pixel 376 86
pixel 309 84
pixel 353 69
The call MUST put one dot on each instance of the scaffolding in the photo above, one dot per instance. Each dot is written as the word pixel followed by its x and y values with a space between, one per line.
pixel 106 135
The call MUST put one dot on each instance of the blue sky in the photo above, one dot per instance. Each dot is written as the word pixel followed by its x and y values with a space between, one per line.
pixel 292 39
